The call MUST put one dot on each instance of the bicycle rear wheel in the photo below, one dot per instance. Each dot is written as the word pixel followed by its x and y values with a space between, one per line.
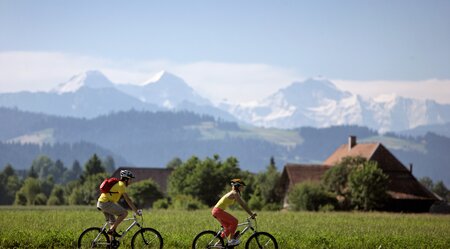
pixel 208 239
pixel 147 238
pixel 93 238
pixel 261 240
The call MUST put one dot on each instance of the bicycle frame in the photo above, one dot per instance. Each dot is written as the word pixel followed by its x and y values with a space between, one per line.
pixel 134 223
pixel 248 225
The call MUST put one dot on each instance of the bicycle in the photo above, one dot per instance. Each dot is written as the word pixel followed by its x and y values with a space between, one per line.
pixel 97 237
pixel 211 239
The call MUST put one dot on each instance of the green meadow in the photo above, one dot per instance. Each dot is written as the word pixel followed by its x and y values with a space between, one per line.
pixel 59 227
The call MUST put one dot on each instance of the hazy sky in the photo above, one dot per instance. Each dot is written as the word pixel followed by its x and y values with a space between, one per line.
pixel 236 50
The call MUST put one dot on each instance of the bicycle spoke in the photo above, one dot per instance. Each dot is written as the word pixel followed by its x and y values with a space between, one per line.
pixel 147 238
pixel 93 238
pixel 207 239
pixel 261 240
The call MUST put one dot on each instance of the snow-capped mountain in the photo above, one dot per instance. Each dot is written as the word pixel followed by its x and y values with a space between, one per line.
pixel 87 95
pixel 91 79
pixel 91 94
pixel 169 91
pixel 314 102
pixel 318 103
pixel 164 89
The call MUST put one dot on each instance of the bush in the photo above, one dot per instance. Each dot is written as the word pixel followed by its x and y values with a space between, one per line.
pixel 53 201
pixel 368 186
pixel 40 199
pixel 309 196
pixel 255 203
pixel 186 202
pixel 21 199
pixel 272 207
pixel 144 193
pixel 161 204
pixel 76 197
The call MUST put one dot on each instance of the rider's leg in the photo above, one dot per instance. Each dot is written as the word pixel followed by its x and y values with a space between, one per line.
pixel 121 215
pixel 228 221
pixel 110 210
pixel 119 219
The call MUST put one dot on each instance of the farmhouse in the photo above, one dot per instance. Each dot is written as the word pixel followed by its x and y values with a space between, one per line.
pixel 406 194
pixel 158 175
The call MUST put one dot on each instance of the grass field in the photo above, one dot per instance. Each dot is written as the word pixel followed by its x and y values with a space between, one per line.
pixel 59 227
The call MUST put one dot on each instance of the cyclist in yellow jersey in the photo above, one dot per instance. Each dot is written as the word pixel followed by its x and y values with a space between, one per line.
pixel 228 221
pixel 107 202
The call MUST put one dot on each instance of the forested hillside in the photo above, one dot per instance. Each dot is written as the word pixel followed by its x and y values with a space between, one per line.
pixel 152 139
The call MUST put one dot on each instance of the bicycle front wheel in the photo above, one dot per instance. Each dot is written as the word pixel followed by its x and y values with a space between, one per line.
pixel 147 238
pixel 261 240
pixel 93 237
pixel 208 239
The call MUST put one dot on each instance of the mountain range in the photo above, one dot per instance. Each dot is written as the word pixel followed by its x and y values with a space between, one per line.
pixel 313 102
pixel 318 103
pixel 152 139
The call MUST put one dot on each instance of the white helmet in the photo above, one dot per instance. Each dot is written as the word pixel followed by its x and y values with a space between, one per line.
pixel 126 174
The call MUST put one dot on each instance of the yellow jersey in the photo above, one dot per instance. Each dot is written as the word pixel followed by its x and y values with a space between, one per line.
pixel 225 202
pixel 115 193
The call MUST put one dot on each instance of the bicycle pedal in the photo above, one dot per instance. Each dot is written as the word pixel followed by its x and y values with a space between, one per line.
pixel 236 234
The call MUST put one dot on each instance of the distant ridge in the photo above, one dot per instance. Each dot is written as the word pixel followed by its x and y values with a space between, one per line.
pixel 315 102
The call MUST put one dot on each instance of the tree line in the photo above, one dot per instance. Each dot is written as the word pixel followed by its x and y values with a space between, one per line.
pixel 354 183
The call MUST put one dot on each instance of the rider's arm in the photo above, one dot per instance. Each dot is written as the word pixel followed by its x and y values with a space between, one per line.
pixel 243 204
pixel 130 203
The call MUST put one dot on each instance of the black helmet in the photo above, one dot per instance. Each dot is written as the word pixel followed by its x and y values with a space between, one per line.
pixel 126 174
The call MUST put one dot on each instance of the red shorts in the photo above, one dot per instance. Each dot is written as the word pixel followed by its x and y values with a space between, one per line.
pixel 227 220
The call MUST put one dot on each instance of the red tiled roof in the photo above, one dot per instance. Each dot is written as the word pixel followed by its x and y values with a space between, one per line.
pixel 296 173
pixel 362 150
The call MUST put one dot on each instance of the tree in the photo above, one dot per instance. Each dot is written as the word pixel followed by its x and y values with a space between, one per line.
pixel 74 173
pixel 427 182
pixel 90 188
pixel 20 199
pixel 30 189
pixel 336 179
pixel 266 188
pixel 174 163
pixel 204 180
pixel 368 186
pixel 57 196
pixel 109 164
pixel 92 167
pixel 76 197
pixel 57 171
pixel 42 166
pixel 144 193
pixel 309 196
pixel 32 173
pixel 9 185
pixel 440 189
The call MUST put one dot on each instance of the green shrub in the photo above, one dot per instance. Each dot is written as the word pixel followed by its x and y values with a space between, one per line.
pixel 186 202
pixel 309 196
pixel 368 186
pixel 21 199
pixel 255 203
pixel 144 193
pixel 161 204
pixel 272 207
pixel 40 199
pixel 53 201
